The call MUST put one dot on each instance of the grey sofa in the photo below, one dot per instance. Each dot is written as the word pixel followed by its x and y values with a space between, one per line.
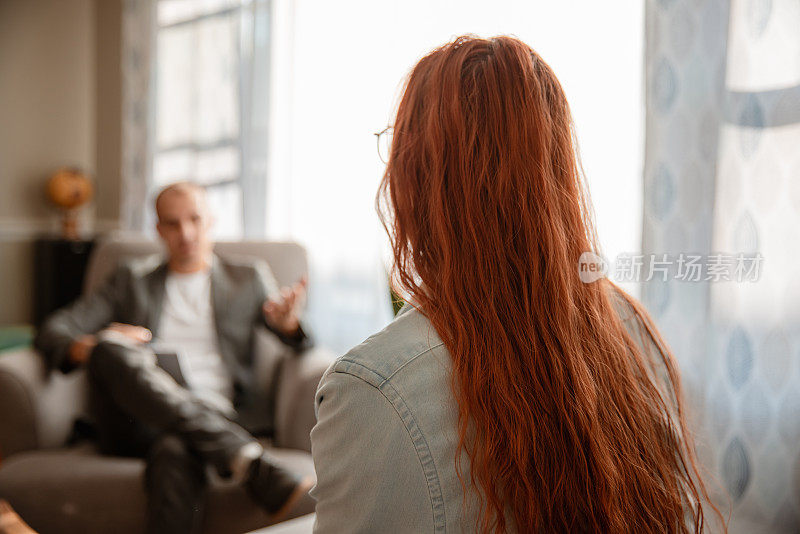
pixel 57 489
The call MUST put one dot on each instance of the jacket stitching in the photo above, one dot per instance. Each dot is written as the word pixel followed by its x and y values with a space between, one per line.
pixel 423 450
pixel 418 440
pixel 359 370
pixel 411 360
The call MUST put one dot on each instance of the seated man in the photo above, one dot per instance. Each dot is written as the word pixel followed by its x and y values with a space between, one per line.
pixel 204 309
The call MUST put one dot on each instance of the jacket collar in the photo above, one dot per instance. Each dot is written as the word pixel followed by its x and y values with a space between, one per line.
pixel 155 282
pixel 220 289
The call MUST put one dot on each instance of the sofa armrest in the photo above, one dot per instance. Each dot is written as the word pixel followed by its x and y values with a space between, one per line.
pixel 37 408
pixel 299 376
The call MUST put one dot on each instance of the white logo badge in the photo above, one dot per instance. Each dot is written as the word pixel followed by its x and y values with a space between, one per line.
pixel 592 267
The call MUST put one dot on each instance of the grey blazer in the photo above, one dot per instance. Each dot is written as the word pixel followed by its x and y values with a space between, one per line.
pixel 134 295
pixel 386 437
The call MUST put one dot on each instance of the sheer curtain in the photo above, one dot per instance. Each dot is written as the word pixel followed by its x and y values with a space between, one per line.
pixel 338 69
pixel 292 154
pixel 136 67
pixel 723 127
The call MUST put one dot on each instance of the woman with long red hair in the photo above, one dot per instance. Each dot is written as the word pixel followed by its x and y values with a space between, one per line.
pixel 508 395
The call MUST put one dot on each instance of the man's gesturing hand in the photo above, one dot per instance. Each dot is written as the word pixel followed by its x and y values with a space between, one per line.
pixel 282 313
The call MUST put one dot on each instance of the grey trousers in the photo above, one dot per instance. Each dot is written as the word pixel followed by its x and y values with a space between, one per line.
pixel 141 411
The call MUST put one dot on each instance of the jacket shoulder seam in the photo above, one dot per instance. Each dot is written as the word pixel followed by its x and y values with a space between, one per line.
pixel 361 370
pixel 411 360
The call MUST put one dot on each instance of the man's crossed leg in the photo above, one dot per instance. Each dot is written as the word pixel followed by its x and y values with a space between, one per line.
pixel 190 435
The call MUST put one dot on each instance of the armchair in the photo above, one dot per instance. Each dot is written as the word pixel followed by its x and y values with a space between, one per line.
pixel 60 488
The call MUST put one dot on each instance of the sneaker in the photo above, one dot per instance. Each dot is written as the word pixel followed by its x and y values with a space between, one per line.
pixel 278 490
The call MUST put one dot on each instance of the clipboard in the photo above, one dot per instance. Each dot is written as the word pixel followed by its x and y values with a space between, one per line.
pixel 171 363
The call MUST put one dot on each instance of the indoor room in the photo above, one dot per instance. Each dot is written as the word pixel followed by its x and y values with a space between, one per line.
pixel 293 266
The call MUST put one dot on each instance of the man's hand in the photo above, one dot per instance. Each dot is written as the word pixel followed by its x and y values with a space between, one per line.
pixel 282 313
pixel 137 334
pixel 81 348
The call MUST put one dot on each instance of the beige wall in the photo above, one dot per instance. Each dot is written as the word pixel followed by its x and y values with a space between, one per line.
pixel 59 105
pixel 108 111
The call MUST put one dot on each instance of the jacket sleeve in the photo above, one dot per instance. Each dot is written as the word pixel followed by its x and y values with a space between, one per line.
pixel 266 287
pixel 369 476
pixel 87 315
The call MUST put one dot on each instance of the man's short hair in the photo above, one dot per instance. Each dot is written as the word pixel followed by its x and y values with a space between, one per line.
pixel 183 187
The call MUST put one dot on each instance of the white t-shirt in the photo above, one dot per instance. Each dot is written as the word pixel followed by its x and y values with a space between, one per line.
pixel 187 328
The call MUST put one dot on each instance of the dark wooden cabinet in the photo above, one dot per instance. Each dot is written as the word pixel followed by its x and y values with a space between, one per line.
pixel 60 266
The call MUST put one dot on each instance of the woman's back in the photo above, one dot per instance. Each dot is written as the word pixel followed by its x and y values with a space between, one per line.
pixel 539 389
pixel 386 441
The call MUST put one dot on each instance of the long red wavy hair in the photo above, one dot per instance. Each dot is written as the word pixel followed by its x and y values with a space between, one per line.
pixel 564 424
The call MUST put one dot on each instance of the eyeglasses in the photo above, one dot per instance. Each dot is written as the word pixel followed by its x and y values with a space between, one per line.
pixel 384 138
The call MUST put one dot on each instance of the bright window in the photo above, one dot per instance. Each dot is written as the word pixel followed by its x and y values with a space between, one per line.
pixel 204 59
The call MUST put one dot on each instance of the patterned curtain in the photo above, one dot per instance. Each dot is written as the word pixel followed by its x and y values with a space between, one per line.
pixel 722 184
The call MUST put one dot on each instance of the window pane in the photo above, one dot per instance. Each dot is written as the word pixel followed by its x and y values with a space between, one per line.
pixel 225 202
pixel 217 78
pixel 202 166
pixel 197 97
pixel 173 11
pixel 174 86
pixel 172 166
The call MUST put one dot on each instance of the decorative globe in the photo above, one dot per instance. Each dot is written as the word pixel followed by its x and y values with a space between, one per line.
pixel 69 189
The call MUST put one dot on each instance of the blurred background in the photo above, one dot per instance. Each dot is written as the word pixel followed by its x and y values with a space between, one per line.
pixel 273 106
pixel 687 113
